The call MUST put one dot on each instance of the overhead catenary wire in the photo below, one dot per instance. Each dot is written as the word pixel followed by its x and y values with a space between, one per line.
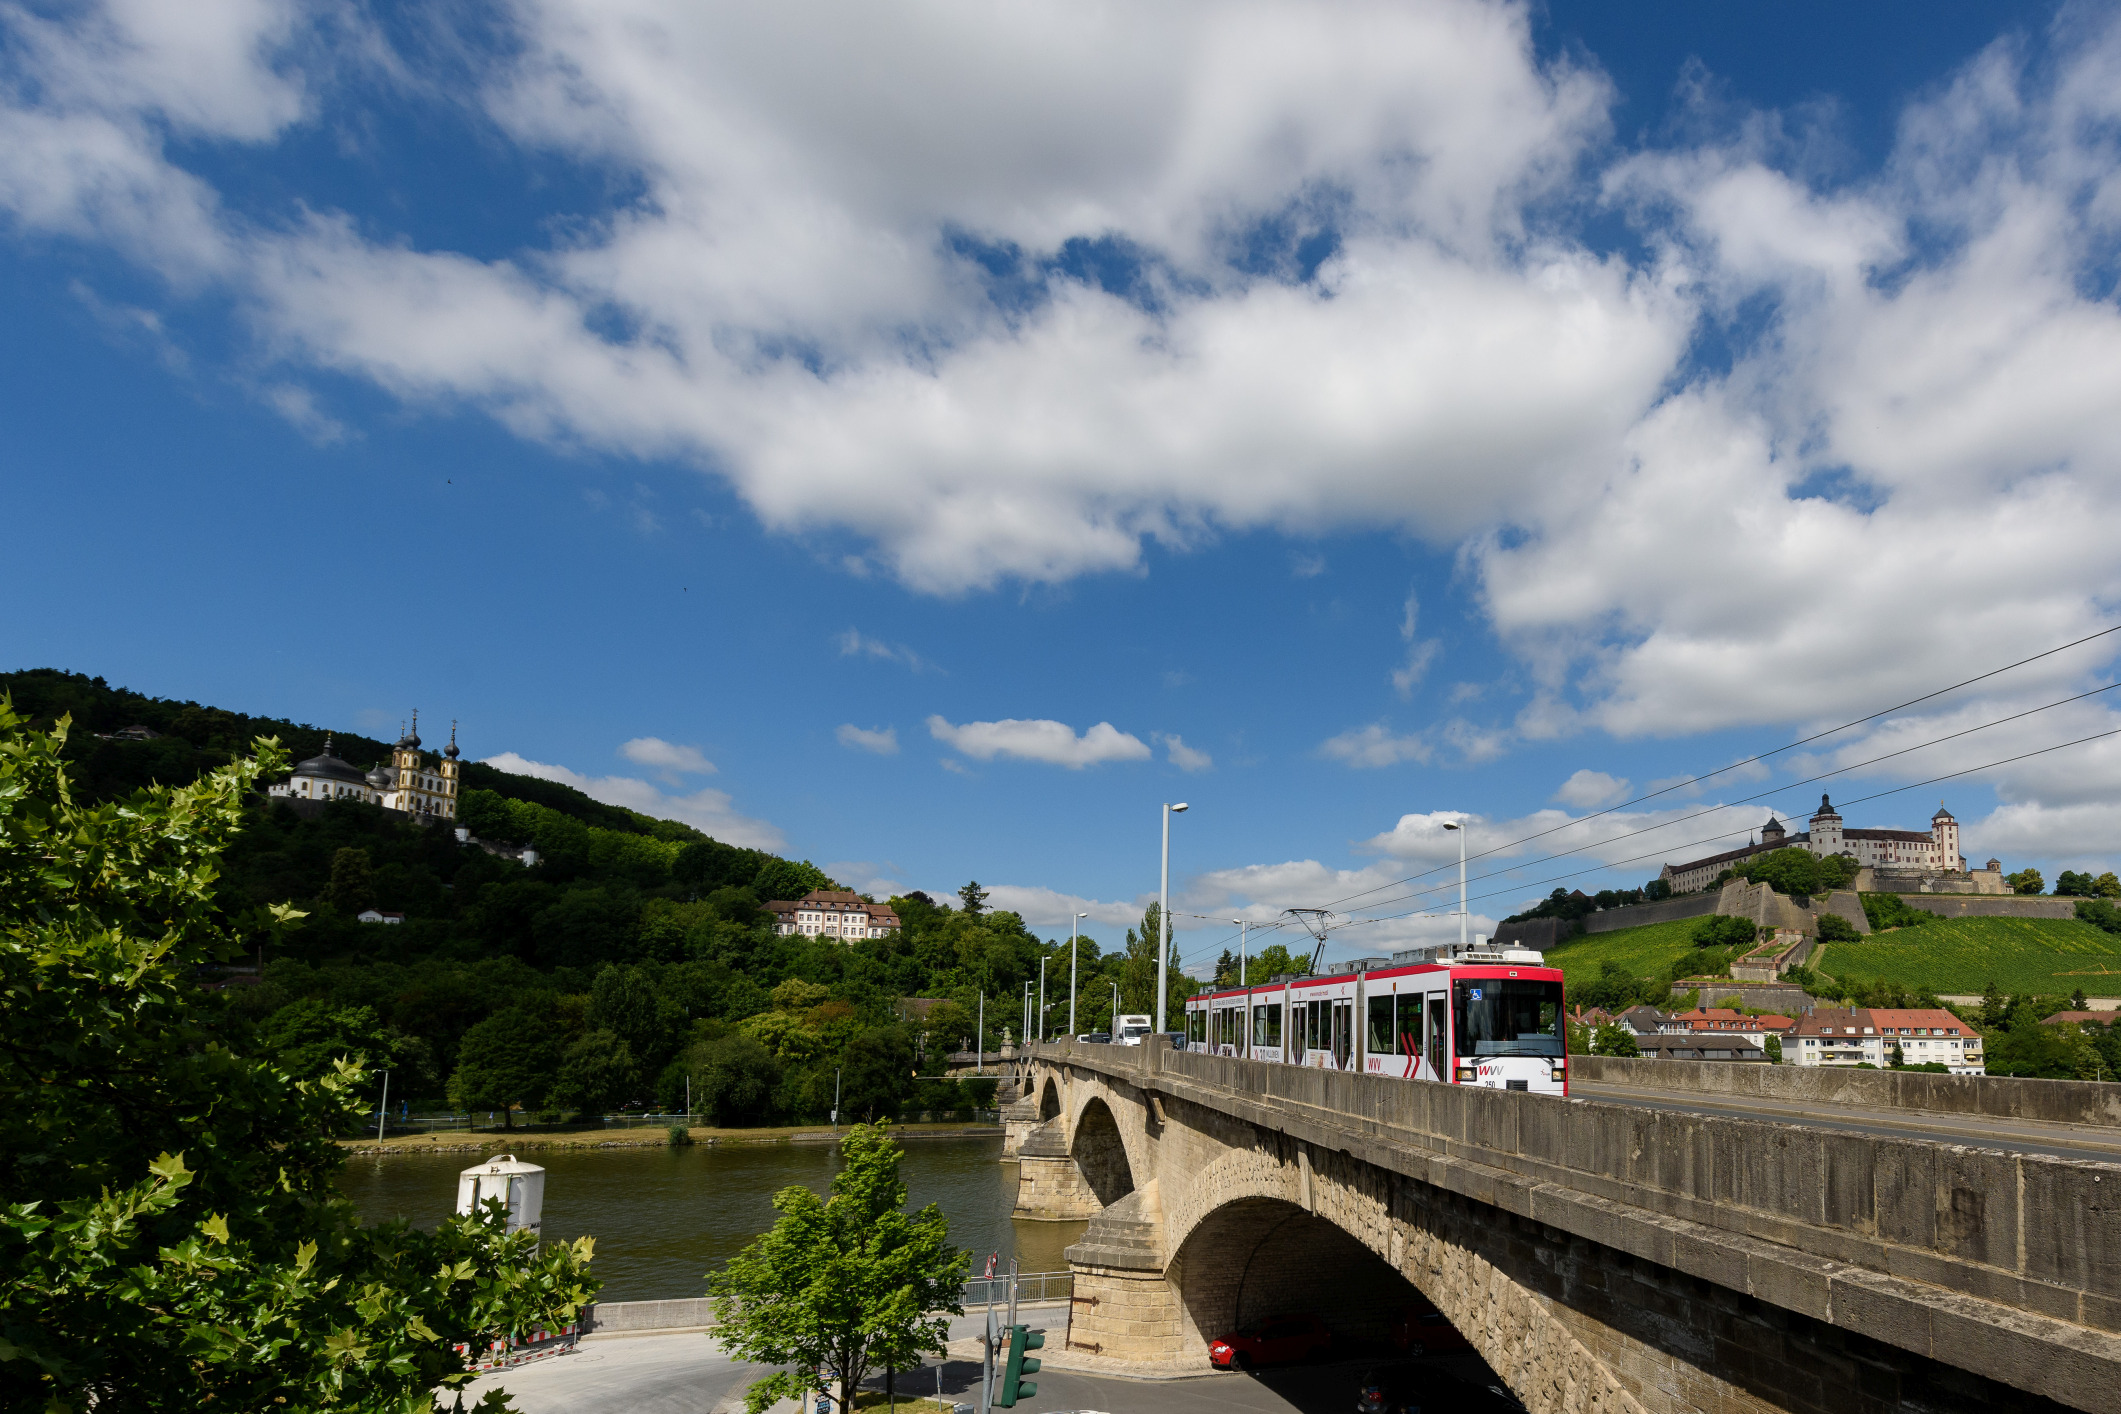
pixel 1748 761
pixel 1859 800
pixel 1269 928
pixel 1764 794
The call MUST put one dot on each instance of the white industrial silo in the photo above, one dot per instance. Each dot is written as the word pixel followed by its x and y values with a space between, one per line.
pixel 505 1177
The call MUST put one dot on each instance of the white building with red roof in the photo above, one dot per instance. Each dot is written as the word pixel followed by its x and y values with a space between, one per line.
pixel 832 913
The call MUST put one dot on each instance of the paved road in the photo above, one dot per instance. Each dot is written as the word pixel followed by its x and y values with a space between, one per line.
pixel 689 1374
pixel 2068 1141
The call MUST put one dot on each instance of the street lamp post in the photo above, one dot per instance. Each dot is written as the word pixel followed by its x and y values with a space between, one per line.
pixel 1242 928
pixel 1025 1034
pixel 1074 931
pixel 1163 917
pixel 1459 830
pixel 1042 999
pixel 979 1042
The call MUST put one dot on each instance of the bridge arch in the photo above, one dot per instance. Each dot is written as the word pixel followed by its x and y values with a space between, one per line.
pixel 1282 1229
pixel 1049 1103
pixel 1100 1152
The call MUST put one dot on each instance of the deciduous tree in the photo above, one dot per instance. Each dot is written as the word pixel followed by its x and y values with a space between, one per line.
pixel 171 1232
pixel 840 1286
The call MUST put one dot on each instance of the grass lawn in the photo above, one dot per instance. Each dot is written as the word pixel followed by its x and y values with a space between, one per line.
pixel 1963 955
pixel 1646 951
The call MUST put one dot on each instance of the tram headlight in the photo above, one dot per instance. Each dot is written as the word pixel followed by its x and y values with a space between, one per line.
pixel 1466 1073
pixel 1561 1070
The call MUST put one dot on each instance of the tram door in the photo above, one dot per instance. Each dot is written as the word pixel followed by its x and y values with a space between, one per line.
pixel 1344 1034
pixel 1438 1052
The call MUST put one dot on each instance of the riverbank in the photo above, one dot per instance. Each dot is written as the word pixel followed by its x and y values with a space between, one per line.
pixel 519 1141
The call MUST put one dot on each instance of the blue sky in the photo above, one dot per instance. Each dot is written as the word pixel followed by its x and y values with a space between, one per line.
pixel 964 431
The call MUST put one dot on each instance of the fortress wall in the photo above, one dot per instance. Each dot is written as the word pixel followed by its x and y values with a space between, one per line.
pixel 1636 914
pixel 1987 906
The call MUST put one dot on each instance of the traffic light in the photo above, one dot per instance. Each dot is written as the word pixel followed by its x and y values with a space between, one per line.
pixel 1013 1386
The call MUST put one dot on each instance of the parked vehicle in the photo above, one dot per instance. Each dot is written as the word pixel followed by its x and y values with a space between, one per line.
pixel 1422 1330
pixel 1131 1030
pixel 1283 1340
pixel 1096 1038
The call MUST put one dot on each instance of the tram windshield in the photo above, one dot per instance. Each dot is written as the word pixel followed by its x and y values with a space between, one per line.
pixel 1507 1017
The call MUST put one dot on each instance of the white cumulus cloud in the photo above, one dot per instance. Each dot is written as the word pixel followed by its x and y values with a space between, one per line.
pixel 881 740
pixel 712 811
pixel 1591 790
pixel 667 757
pixel 1184 757
pixel 1041 739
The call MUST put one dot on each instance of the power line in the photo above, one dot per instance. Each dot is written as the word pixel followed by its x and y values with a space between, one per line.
pixel 1772 791
pixel 1723 770
pixel 1859 800
pixel 1748 761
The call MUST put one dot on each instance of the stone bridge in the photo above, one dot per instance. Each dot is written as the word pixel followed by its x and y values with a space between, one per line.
pixel 1599 1256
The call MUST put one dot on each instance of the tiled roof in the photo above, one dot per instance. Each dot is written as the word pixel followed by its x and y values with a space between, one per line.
pixel 1900 1020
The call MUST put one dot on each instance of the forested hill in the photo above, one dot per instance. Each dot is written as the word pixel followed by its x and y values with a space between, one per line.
pixel 636 954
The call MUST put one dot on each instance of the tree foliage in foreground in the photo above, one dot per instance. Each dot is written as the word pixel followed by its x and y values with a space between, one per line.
pixel 840 1287
pixel 169 1226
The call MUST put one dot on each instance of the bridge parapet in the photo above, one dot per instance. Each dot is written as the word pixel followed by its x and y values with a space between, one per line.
pixel 2004 1264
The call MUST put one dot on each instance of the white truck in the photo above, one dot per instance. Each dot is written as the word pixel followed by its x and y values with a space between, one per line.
pixel 1129 1030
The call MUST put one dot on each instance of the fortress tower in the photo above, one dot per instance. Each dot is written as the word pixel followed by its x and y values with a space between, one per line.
pixel 1945 831
pixel 1826 828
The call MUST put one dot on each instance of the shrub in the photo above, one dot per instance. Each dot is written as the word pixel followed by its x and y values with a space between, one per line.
pixel 680 1136
pixel 1614 1040
pixel 2100 914
pixel 1892 911
pixel 1722 931
pixel 1774 1050
pixel 1835 929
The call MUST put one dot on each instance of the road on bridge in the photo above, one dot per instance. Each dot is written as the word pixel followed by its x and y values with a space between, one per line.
pixel 2017 1136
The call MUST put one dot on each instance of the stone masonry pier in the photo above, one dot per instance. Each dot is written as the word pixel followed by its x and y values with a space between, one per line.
pixel 1599 1256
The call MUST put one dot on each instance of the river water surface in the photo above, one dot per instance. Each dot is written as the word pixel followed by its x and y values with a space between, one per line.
pixel 663 1218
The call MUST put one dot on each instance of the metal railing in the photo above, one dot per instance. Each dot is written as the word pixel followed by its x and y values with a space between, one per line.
pixel 1032 1288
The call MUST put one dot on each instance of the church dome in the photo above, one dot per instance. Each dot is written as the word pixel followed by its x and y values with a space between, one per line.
pixel 331 768
pixel 380 777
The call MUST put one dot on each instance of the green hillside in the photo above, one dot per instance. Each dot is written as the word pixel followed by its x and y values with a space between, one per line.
pixel 1963 955
pixel 1648 951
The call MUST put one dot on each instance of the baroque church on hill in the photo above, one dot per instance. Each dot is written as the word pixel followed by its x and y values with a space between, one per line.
pixel 1889 851
pixel 407 782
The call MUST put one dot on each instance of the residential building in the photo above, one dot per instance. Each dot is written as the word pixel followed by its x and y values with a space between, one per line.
pixel 2082 1018
pixel 1834 1036
pixel 1929 1036
pixel 377 915
pixel 832 913
pixel 407 783
pixel 1936 852
pixel 1706 1047
pixel 1925 1036
pixel 1726 1021
pixel 1642 1021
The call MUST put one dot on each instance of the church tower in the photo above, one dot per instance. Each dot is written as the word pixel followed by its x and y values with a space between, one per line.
pixel 450 772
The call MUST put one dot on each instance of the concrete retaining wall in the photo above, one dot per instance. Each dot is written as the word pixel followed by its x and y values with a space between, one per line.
pixel 690 1313
pixel 1996 1096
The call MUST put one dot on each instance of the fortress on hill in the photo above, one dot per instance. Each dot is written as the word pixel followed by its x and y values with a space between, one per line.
pixel 1902 861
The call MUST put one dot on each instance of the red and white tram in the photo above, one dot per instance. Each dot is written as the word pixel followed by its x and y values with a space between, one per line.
pixel 1477 1016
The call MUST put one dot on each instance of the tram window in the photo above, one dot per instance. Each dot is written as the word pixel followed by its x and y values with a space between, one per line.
pixel 1382 1039
pixel 1508 1017
pixel 1314 1026
pixel 1266 1024
pixel 1439 1018
pixel 1196 1026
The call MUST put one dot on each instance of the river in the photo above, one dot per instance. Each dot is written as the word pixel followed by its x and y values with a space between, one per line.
pixel 663 1218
